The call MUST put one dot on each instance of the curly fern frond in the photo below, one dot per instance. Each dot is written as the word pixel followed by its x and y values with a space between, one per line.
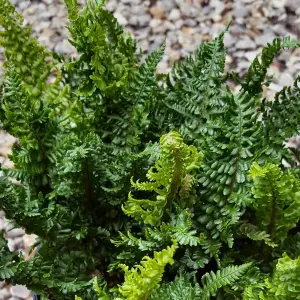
pixel 258 69
pixel 284 284
pixel 277 200
pixel 169 176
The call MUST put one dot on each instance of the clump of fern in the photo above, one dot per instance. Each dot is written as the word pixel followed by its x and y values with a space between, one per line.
pixel 141 186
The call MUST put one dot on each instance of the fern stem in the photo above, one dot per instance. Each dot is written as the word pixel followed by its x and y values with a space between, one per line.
pixel 176 179
pixel 88 187
pixel 47 188
pixel 271 225
pixel 236 166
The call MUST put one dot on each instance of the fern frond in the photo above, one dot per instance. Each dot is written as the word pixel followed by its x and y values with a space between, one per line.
pixel 181 229
pixel 277 202
pixel 7 267
pixel 34 122
pixel 253 232
pixel 284 284
pixel 281 120
pixel 23 51
pixel 194 259
pixel 126 126
pixel 141 280
pixel 179 289
pixel 101 293
pixel 258 69
pixel 194 93
pixel 213 281
pixel 231 149
pixel 106 50
pixel 176 165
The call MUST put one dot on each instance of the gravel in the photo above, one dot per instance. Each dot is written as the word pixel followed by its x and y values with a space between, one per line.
pixel 185 23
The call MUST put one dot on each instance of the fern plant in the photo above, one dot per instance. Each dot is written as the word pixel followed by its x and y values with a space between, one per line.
pixel 144 186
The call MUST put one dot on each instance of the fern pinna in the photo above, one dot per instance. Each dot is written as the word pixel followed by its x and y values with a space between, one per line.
pixel 141 186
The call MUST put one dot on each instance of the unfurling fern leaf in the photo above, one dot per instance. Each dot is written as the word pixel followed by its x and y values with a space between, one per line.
pixel 172 173
pixel 276 200
pixel 284 284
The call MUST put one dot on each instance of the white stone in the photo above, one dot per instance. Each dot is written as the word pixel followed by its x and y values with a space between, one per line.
pixel 174 14
pixel 16 232
pixel 20 291
pixel 286 79
pixel 245 44
pixel 121 19
pixel 64 47
pixel 250 55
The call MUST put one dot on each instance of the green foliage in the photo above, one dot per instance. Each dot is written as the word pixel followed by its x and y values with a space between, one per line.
pixel 23 51
pixel 141 280
pixel 212 282
pixel 171 175
pixel 276 200
pixel 113 164
pixel 182 289
pixel 284 284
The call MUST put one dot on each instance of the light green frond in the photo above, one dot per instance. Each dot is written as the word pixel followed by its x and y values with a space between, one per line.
pixel 276 200
pixel 141 280
pixel 101 293
pixel 23 51
pixel 284 284
pixel 170 174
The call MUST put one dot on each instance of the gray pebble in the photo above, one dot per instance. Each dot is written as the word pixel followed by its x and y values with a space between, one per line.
pixel 23 5
pixel 64 47
pixel 245 43
pixel 144 20
pixel 121 19
pixel 174 14
pixel 250 55
pixel 240 10
pixel 285 79
pixel 20 291
pixel 190 22
pixel 267 37
pixel 292 5
pixel 16 232
pixel 229 40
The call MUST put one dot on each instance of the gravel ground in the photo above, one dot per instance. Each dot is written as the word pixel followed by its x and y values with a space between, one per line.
pixel 185 24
